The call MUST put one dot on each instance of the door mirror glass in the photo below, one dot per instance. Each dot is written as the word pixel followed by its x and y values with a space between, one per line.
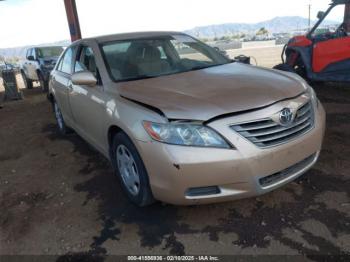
pixel 320 14
pixel 84 78
pixel 30 58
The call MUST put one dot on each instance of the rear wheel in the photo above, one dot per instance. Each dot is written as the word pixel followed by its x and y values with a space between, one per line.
pixel 131 171
pixel 27 82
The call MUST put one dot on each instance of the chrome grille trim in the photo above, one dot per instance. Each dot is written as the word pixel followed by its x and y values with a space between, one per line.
pixel 266 133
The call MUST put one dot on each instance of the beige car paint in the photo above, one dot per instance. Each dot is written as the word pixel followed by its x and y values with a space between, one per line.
pixel 93 111
pixel 204 94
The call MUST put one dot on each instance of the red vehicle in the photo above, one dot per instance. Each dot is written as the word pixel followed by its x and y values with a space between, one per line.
pixel 323 54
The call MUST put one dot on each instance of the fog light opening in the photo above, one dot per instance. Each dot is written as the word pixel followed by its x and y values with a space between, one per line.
pixel 203 191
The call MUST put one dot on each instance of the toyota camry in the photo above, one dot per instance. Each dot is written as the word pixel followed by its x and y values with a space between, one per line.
pixel 181 122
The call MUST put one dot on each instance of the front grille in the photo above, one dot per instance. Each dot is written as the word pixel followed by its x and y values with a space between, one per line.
pixel 274 178
pixel 266 132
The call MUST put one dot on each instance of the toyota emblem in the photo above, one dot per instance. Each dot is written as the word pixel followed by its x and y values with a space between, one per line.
pixel 286 116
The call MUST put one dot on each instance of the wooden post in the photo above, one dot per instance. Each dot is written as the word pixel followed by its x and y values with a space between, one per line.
pixel 347 17
pixel 73 20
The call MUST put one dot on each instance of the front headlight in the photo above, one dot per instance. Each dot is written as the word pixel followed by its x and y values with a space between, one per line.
pixel 311 92
pixel 185 133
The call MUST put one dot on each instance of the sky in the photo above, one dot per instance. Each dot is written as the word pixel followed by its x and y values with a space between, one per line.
pixel 25 22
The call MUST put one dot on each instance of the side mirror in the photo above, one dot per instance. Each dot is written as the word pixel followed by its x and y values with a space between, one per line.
pixel 84 78
pixel 30 58
pixel 320 14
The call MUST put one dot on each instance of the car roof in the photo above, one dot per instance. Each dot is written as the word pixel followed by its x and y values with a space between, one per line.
pixel 47 46
pixel 341 2
pixel 128 36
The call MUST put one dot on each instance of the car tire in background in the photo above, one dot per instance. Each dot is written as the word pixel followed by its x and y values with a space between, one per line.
pixel 130 170
pixel 44 84
pixel 284 67
pixel 62 127
pixel 27 82
pixel 300 70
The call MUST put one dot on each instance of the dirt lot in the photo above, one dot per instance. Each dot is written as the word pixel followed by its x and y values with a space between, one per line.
pixel 59 196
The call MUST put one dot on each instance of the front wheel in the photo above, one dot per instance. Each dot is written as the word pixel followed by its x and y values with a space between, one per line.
pixel 62 127
pixel 131 171
pixel 285 67
pixel 27 82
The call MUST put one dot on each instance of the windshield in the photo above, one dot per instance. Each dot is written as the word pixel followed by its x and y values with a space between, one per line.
pixel 331 23
pixel 44 52
pixel 143 58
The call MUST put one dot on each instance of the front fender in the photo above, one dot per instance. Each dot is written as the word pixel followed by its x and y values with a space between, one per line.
pixel 305 54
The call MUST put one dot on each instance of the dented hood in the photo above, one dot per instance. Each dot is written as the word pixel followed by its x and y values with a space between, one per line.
pixel 207 93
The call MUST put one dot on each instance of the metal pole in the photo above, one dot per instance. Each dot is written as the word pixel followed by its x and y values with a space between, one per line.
pixel 309 17
pixel 73 20
pixel 347 14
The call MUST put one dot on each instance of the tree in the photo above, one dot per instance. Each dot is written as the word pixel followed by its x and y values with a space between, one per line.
pixel 262 31
pixel 225 37
pixel 2 58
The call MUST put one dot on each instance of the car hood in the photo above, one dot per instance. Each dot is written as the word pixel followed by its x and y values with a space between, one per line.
pixel 207 93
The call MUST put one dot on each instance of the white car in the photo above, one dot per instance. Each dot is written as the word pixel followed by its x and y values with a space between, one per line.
pixel 38 65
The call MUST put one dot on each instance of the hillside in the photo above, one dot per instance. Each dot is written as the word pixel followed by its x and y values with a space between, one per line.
pixel 275 25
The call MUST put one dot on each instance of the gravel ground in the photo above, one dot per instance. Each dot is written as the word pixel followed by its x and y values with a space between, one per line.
pixel 58 196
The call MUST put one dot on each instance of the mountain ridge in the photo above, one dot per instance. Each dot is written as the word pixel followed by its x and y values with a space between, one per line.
pixel 275 25
pixel 279 24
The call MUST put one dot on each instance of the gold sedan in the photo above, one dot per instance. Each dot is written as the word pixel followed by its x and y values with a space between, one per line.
pixel 181 122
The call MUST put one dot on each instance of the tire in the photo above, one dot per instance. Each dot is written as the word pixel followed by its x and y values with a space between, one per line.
pixel 284 67
pixel 130 170
pixel 300 69
pixel 27 82
pixel 62 127
pixel 44 84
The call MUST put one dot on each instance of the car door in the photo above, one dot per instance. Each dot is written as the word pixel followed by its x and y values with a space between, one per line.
pixel 32 65
pixel 88 103
pixel 61 81
pixel 332 55
pixel 26 64
pixel 331 50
